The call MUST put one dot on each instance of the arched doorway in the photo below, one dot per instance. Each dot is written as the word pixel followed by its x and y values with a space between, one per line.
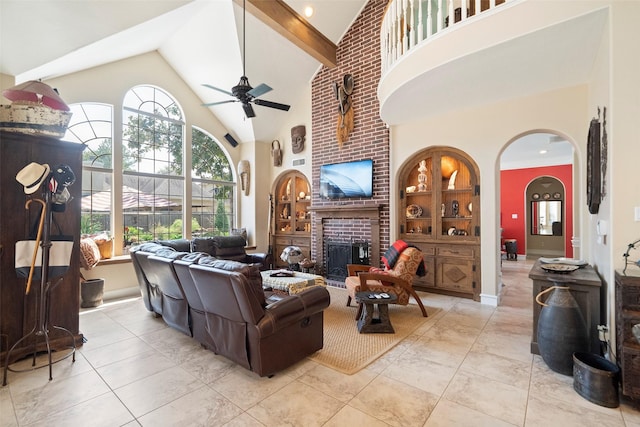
pixel 528 157
pixel 545 218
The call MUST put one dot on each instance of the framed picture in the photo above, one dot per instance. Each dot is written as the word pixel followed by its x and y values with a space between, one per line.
pixel 593 167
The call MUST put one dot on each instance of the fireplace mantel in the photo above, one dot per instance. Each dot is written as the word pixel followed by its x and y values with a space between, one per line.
pixel 347 211
pixel 370 212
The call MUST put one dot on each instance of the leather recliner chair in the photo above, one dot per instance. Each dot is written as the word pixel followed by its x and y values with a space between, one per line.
pixel 151 294
pixel 262 338
pixel 175 308
pixel 196 309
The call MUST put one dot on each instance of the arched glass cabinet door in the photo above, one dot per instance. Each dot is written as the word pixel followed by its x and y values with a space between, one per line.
pixel 291 215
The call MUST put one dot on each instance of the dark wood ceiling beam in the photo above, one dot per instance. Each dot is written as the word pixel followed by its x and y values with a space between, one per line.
pixel 286 22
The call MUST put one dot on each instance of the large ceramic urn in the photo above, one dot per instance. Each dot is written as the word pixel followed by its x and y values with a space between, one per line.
pixel 562 330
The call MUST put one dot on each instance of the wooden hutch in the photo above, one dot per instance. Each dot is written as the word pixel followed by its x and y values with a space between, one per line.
pixel 291 215
pixel 439 212
pixel 17 310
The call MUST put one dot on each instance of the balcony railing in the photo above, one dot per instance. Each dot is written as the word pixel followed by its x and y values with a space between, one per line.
pixel 407 23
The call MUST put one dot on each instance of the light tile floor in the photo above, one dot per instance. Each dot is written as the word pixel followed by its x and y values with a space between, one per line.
pixel 470 368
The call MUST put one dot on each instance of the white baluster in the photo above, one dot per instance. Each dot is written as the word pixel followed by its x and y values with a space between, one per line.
pixel 440 18
pixel 421 29
pixel 414 28
pixel 463 9
pixel 404 30
pixel 429 18
pixel 478 7
pixel 492 4
pixel 451 13
pixel 398 20
pixel 392 33
pixel 383 43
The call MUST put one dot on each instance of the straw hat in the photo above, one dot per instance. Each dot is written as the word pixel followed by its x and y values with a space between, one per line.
pixel 32 176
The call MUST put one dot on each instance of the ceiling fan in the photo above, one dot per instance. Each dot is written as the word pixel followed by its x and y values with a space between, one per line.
pixel 243 92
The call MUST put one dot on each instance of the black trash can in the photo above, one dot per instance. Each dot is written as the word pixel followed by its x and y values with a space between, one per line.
pixel 596 379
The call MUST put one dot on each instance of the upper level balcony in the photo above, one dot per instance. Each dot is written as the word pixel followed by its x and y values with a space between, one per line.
pixel 492 50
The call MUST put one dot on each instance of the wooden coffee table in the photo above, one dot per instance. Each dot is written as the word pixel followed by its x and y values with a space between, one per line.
pixel 367 323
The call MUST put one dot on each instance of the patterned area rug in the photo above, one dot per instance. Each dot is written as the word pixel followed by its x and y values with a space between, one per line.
pixel 348 351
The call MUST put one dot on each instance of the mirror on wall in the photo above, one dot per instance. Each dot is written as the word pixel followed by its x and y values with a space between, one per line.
pixel 546 217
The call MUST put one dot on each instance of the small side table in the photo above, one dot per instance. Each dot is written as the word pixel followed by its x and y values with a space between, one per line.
pixel 367 324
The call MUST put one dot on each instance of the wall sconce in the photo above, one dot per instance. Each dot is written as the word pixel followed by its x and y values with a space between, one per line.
pixel 244 172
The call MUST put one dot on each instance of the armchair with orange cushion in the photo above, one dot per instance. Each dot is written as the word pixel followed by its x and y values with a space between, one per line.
pixel 396 278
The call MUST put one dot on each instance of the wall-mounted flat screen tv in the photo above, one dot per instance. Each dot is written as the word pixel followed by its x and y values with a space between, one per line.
pixel 346 180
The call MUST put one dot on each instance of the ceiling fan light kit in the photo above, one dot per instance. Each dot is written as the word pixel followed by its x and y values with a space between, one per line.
pixel 243 92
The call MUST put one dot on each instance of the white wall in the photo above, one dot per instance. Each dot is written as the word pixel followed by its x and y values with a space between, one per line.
pixel 483 133
pixel 623 118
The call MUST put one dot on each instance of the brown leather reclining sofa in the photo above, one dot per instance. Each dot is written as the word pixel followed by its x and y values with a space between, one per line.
pixel 221 303
pixel 224 247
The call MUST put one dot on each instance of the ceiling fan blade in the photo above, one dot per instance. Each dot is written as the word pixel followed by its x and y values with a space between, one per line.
pixel 270 104
pixel 259 90
pixel 248 110
pixel 218 89
pixel 210 104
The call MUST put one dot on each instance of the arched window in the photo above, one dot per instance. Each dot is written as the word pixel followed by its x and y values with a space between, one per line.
pixel 153 177
pixel 212 187
pixel 152 170
pixel 92 125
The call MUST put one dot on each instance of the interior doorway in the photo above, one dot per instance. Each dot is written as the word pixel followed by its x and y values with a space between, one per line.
pixel 528 163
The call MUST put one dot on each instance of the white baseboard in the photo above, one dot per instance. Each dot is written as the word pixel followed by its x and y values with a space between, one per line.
pixel 491 300
pixel 116 294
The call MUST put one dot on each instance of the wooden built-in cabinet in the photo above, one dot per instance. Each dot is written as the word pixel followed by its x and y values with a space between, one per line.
pixel 627 316
pixel 439 213
pixel 18 314
pixel 292 218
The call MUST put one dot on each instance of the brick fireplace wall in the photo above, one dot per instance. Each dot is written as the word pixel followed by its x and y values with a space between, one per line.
pixel 359 55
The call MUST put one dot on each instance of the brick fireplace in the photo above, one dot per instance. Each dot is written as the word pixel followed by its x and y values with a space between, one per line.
pixel 339 253
pixel 328 220
pixel 365 219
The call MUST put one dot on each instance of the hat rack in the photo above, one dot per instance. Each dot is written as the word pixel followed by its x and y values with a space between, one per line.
pixel 40 330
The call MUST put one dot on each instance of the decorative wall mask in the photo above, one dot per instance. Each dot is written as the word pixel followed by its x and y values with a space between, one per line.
pixel 297 138
pixel 594 183
pixel 343 93
pixel 276 153
pixel 603 152
pixel 244 171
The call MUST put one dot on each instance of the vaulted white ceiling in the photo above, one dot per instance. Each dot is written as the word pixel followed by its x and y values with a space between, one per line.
pixel 200 39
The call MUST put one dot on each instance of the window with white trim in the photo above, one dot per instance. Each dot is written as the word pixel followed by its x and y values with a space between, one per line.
pixel 92 125
pixel 213 187
pixel 152 172
pixel 153 178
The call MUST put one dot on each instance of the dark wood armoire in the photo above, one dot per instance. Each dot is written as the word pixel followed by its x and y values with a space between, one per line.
pixel 18 311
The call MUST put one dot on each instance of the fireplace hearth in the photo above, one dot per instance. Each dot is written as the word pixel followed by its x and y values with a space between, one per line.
pixel 340 253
